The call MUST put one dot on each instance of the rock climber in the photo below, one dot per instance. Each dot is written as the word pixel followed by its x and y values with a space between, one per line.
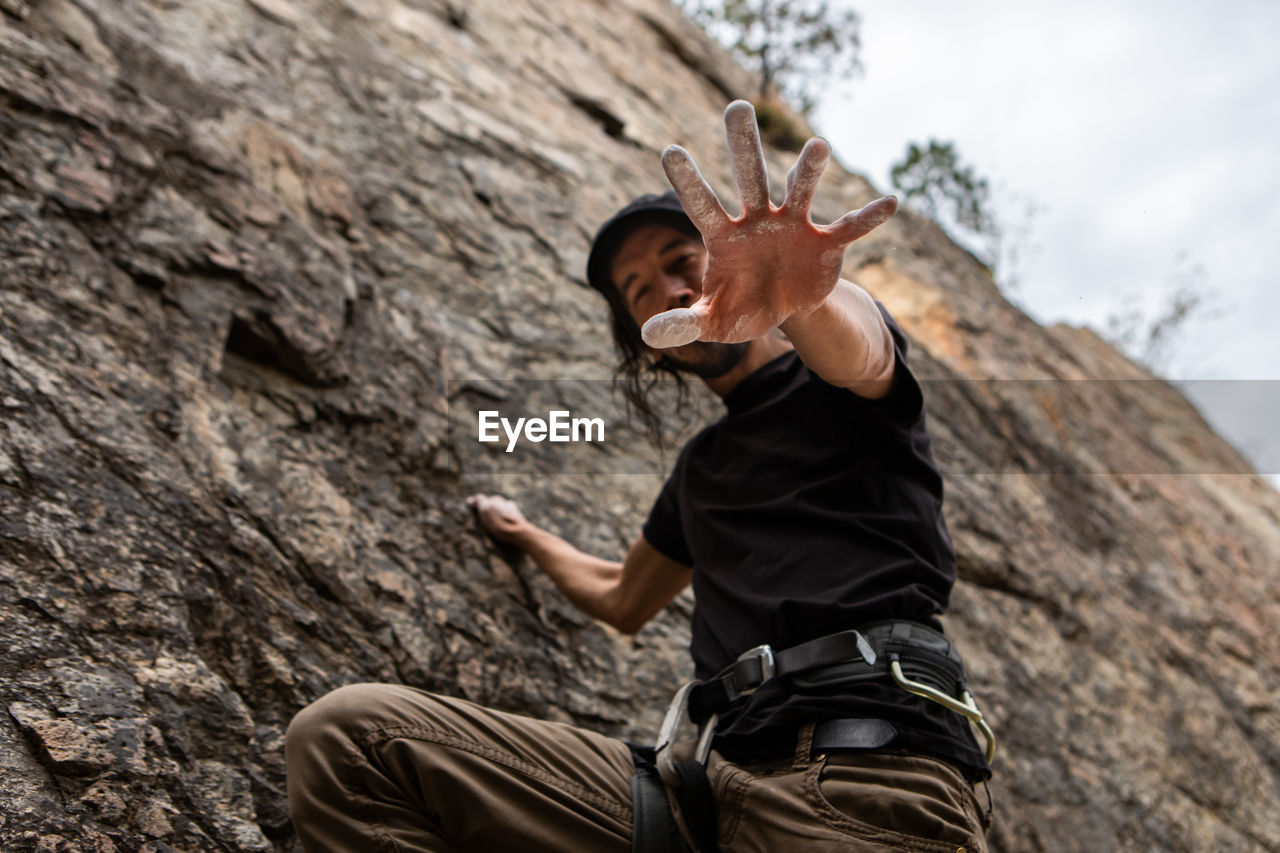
pixel 828 710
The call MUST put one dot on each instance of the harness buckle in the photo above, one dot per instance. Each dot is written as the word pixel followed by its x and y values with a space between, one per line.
pixel 768 669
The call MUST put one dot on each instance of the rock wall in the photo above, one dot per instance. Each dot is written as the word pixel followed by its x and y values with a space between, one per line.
pixel 260 260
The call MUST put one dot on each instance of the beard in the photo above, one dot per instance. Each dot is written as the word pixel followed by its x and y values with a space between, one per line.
pixel 706 359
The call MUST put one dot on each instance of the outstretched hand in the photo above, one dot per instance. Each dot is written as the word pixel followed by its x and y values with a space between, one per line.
pixel 770 262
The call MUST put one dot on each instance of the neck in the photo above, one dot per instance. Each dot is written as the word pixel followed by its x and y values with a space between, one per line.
pixel 761 352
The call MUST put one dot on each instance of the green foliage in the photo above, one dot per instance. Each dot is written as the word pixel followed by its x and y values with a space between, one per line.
pixel 795 45
pixel 934 180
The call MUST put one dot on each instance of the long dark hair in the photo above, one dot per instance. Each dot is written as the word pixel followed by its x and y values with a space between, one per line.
pixel 636 372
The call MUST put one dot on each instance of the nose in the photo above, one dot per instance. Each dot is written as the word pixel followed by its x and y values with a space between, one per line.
pixel 679 292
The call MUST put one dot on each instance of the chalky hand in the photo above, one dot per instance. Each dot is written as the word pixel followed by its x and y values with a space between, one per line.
pixel 500 516
pixel 770 262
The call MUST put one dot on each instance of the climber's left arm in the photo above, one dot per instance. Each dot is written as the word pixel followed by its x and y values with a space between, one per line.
pixel 845 341
pixel 773 267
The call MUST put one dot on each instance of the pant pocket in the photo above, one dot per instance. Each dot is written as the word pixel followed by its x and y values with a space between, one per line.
pixel 913 802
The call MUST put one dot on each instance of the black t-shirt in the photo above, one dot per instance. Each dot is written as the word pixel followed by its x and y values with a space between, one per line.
pixel 804 511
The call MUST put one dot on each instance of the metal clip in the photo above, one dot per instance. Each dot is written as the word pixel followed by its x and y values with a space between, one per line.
pixel 864 648
pixel 965 706
pixel 768 668
pixel 672 723
pixel 677 714
pixel 705 734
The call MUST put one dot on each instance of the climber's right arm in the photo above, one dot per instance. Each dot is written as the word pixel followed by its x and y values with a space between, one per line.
pixel 626 595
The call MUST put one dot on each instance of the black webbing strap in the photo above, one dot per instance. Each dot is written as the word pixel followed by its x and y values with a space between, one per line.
pixel 697 805
pixel 654 828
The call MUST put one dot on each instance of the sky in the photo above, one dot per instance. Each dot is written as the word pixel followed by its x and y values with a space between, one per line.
pixel 1146 135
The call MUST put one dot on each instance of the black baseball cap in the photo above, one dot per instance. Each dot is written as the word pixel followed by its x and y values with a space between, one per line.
pixel 664 209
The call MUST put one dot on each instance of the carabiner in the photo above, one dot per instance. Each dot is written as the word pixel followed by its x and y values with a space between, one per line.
pixel 965 706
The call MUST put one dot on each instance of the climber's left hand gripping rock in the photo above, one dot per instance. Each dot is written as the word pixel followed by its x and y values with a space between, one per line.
pixel 768 263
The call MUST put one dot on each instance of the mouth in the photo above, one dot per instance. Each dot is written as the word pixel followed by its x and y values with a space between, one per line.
pixel 705 359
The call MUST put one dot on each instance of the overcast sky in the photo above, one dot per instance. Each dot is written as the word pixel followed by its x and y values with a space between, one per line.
pixel 1148 133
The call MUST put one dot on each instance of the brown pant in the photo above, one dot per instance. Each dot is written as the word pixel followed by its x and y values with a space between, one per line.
pixel 385 767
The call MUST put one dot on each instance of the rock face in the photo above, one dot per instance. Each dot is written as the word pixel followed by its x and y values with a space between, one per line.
pixel 262 260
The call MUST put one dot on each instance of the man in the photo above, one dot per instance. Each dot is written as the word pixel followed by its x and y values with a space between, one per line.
pixel 811 509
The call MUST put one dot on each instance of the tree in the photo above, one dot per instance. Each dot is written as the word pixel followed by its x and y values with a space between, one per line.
pixel 1152 339
pixel 933 179
pixel 795 45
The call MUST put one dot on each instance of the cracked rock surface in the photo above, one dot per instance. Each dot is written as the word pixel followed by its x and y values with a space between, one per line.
pixel 261 261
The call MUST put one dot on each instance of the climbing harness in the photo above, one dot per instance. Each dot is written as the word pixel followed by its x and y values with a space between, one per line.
pixel 917 658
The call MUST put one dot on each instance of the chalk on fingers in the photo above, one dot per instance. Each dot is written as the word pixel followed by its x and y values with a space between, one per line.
pixel 673 328
pixel 802 180
pixel 747 154
pixel 696 196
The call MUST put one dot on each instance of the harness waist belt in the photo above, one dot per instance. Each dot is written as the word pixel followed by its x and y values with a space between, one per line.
pixel 922 654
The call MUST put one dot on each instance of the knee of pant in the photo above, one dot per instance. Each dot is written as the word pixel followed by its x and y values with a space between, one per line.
pixel 345 711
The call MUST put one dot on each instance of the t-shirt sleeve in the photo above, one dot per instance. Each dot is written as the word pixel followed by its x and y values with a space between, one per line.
pixel 904 403
pixel 663 529
pixel 905 400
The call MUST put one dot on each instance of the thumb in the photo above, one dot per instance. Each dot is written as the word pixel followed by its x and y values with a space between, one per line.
pixel 676 327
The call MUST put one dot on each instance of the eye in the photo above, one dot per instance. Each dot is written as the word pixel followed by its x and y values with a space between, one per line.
pixel 641 291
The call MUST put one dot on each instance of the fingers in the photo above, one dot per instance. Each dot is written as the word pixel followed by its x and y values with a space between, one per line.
pixel 802 180
pixel 491 508
pixel 858 223
pixel 749 170
pixel 673 328
pixel 501 519
pixel 696 196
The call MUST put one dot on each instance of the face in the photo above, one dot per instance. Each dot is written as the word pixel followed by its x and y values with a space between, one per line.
pixel 657 268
